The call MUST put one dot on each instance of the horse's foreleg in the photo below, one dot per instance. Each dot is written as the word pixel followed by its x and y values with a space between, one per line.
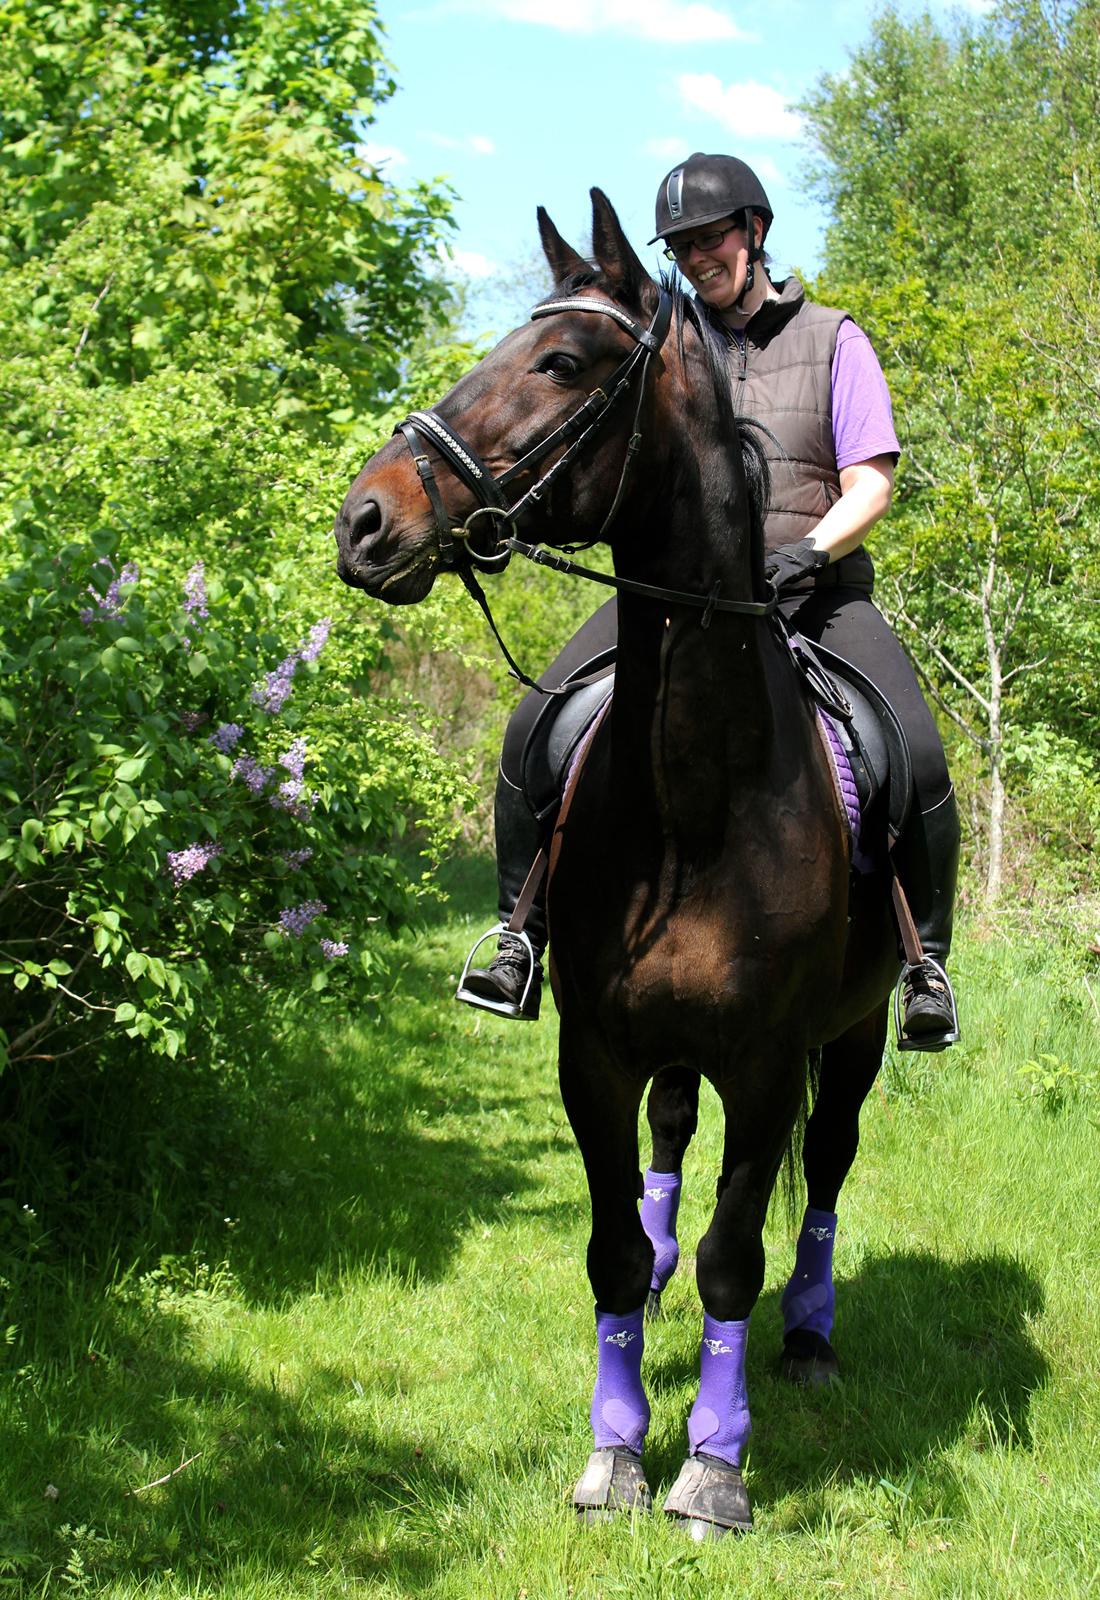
pixel 848 1069
pixel 673 1114
pixel 760 1112
pixel 602 1107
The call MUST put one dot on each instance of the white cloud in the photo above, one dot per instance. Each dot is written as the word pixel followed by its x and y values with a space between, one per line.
pixel 471 263
pixel 767 171
pixel 378 155
pixel 477 142
pixel 750 110
pixel 676 21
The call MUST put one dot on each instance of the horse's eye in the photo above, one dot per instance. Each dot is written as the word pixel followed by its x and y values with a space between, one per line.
pixel 558 365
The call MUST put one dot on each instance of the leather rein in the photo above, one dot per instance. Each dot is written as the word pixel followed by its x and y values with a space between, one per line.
pixel 456 542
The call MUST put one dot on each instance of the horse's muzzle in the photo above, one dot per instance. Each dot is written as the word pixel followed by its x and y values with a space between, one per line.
pixel 374 554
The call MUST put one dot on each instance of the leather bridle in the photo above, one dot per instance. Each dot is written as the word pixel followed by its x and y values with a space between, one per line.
pixel 575 432
pixel 457 550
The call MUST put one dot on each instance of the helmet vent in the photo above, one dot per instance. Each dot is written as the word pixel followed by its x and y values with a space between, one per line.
pixel 675 194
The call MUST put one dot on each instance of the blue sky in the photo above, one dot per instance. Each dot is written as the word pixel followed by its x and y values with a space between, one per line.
pixel 526 102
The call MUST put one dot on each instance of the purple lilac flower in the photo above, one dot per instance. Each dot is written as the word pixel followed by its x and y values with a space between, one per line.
pixel 318 634
pixel 296 919
pixel 286 798
pixel 184 864
pixel 333 948
pixel 193 719
pixel 194 592
pixel 294 759
pixel 248 769
pixel 296 859
pixel 271 695
pixel 225 736
pixel 109 604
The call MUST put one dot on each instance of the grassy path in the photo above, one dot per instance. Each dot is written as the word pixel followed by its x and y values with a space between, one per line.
pixel 378 1346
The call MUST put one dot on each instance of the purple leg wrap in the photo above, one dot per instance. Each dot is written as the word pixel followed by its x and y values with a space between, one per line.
pixel 719 1423
pixel 809 1298
pixel 620 1410
pixel 660 1203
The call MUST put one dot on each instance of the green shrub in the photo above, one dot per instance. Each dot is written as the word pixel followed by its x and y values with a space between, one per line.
pixel 196 785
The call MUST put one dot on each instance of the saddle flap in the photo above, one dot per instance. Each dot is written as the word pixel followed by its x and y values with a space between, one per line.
pixel 559 729
pixel 871 733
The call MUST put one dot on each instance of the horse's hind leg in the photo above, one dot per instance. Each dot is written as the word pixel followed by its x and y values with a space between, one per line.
pixel 673 1114
pixel 602 1106
pixel 760 1107
pixel 849 1066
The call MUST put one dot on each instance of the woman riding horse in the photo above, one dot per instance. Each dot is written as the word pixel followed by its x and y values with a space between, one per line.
pixel 699 892
pixel 810 376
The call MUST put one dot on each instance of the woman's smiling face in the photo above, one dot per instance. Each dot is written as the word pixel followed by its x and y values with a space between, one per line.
pixel 714 259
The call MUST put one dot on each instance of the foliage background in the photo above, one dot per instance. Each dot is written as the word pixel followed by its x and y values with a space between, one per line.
pixel 961 171
pixel 212 309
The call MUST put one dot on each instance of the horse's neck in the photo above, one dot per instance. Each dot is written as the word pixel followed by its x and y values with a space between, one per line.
pixel 696 708
pixel 692 720
pixel 695 712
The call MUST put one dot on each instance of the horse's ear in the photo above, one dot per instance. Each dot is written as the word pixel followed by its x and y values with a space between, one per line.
pixel 616 256
pixel 562 257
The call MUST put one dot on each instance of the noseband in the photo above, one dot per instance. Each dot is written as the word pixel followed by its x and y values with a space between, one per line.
pixel 421 427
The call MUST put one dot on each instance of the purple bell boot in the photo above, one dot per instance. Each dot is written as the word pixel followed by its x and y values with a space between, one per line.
pixel 809 1299
pixel 660 1203
pixel 620 1410
pixel 719 1423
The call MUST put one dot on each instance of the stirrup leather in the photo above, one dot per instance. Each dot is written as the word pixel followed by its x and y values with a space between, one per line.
pixel 930 1041
pixel 504 1008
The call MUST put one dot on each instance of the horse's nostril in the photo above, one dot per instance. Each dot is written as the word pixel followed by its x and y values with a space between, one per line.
pixel 366 522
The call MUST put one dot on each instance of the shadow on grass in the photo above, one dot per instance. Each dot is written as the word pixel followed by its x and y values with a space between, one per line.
pixel 274 1483
pixel 932 1352
pixel 372 1145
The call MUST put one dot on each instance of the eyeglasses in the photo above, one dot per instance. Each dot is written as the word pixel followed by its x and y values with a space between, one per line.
pixel 701 241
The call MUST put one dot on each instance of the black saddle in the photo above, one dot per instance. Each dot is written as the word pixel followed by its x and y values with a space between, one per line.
pixel 561 724
pixel 870 730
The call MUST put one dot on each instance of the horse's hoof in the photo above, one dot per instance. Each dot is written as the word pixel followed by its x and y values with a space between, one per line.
pixel 709 1499
pixel 612 1482
pixel 653 1306
pixel 808 1359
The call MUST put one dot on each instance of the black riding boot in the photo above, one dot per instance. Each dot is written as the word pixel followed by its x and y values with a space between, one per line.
pixel 927 859
pixel 511 985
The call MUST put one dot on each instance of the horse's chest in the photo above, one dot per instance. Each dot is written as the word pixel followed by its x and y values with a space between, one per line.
pixel 701 978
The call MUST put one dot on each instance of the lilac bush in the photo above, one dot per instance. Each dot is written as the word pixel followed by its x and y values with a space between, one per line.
pixel 151 872
pixel 296 919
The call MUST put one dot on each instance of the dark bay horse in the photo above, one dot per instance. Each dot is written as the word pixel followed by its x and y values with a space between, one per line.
pixel 699 897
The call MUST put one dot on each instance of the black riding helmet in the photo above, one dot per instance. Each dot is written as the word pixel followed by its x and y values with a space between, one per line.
pixel 705 188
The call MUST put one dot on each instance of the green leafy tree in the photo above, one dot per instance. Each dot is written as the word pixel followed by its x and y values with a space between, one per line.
pixel 960 169
pixel 207 299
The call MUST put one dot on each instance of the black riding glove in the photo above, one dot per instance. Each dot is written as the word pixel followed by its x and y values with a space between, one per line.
pixel 788 564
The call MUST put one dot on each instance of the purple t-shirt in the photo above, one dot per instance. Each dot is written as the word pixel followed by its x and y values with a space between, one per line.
pixel 863 419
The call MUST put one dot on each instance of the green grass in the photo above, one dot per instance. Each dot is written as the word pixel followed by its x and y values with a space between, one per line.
pixel 374 1331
